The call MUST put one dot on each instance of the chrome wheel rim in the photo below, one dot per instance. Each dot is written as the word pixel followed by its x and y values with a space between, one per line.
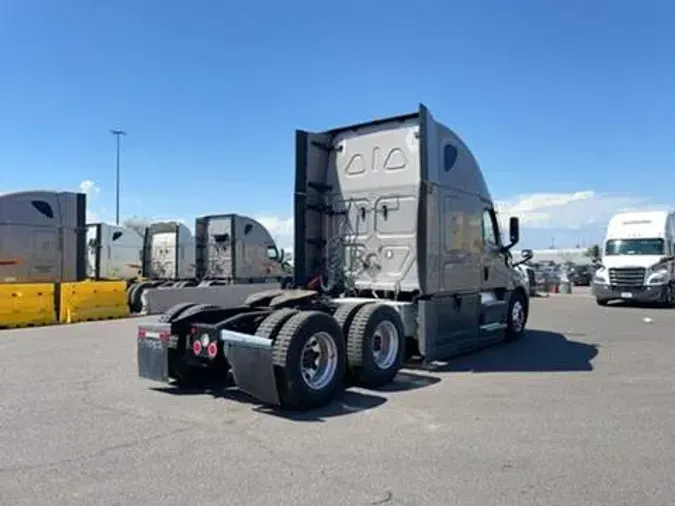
pixel 385 344
pixel 518 316
pixel 319 360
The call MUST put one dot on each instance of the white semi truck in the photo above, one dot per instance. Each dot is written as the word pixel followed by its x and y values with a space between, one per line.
pixel 637 262
pixel 397 246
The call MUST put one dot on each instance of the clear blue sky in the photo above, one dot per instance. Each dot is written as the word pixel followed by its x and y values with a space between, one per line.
pixel 551 96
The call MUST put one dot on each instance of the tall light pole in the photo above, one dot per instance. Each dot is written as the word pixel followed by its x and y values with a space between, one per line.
pixel 118 134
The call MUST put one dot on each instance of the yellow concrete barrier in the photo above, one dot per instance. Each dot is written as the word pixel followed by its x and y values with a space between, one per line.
pixel 92 300
pixel 27 305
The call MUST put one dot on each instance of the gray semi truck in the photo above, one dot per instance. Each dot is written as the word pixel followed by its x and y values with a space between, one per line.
pixel 226 250
pixel 42 237
pixel 398 254
pixel 113 252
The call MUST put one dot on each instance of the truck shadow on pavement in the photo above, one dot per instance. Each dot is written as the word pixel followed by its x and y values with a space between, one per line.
pixel 538 351
pixel 350 401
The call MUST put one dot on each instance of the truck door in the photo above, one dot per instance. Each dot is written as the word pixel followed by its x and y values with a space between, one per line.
pixel 495 275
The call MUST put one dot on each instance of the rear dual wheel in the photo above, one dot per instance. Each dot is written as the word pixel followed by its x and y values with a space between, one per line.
pixel 309 356
pixel 375 345
pixel 312 351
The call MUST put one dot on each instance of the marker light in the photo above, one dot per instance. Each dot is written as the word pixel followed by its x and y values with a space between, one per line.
pixel 197 347
pixel 212 350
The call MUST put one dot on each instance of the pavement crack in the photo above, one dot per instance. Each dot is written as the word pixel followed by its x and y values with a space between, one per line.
pixel 386 497
pixel 98 453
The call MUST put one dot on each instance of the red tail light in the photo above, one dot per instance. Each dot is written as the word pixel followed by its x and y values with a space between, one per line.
pixel 212 350
pixel 164 336
pixel 141 334
pixel 197 347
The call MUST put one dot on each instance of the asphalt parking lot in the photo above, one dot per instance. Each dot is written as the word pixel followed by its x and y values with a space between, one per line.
pixel 581 412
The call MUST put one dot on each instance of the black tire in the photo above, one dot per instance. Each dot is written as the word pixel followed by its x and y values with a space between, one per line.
pixel 271 325
pixel 516 319
pixel 345 314
pixel 362 342
pixel 135 303
pixel 128 293
pixel 294 390
pixel 601 302
pixel 171 313
pixel 668 297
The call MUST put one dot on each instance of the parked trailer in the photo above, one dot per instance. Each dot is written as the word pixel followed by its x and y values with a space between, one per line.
pixel 42 237
pixel 396 228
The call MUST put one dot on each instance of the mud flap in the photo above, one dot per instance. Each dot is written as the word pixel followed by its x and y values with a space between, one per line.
pixel 153 359
pixel 250 359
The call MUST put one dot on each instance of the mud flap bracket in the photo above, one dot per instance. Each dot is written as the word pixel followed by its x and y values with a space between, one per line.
pixel 250 359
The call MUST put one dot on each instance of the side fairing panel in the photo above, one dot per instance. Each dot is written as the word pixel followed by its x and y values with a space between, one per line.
pixel 454 202
pixel 312 151
pixel 253 243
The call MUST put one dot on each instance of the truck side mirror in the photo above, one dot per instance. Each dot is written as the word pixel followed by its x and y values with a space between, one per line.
pixel 595 252
pixel 272 253
pixel 514 231
pixel 282 255
pixel 526 255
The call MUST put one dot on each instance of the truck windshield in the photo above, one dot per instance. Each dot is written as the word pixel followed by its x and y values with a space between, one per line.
pixel 634 247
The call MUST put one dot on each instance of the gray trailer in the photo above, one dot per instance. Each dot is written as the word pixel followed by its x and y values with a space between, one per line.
pixel 397 245
pixel 42 237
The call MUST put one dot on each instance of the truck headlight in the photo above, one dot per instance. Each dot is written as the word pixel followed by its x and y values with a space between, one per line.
pixel 658 277
pixel 600 277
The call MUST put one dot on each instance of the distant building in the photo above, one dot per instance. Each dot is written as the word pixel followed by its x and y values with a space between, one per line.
pixel 559 256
